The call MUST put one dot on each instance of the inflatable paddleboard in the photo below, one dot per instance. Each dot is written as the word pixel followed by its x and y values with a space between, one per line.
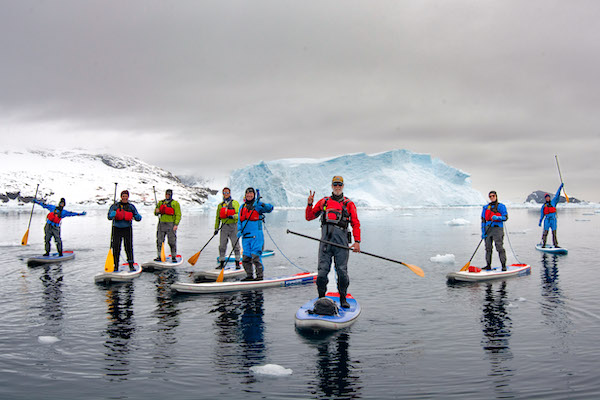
pixel 221 287
pixel 551 249
pixel 474 274
pixel 265 253
pixel 168 264
pixel 315 322
pixel 212 274
pixel 52 258
pixel 123 274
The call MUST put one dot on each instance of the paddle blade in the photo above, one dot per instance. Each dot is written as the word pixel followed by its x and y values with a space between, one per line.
pixel 415 269
pixel 566 197
pixel 466 267
pixel 109 265
pixel 163 257
pixel 25 238
pixel 194 258
pixel 221 275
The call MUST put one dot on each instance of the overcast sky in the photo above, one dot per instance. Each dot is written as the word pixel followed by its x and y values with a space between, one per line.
pixel 495 88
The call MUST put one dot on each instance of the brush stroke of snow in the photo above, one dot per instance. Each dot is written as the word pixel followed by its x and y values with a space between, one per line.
pixel 458 222
pixel 445 259
pixel 271 370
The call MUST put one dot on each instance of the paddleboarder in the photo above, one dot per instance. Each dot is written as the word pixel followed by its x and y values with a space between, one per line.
pixel 492 229
pixel 548 215
pixel 122 214
pixel 249 227
pixel 169 212
pixel 336 212
pixel 227 219
pixel 53 221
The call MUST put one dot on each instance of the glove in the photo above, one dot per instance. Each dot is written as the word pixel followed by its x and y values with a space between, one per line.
pixel 112 214
pixel 496 218
pixel 561 186
pixel 216 231
pixel 230 217
pixel 483 234
pixel 83 213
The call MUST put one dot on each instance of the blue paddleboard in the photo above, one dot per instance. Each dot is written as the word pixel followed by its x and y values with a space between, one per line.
pixel 265 253
pixel 52 258
pixel 551 249
pixel 315 322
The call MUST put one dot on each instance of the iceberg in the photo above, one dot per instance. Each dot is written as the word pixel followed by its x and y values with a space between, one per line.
pixel 396 178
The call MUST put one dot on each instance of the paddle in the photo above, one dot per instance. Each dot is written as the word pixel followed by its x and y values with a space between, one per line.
pixel 222 273
pixel 193 259
pixel 561 180
pixel 413 268
pixel 466 267
pixel 26 235
pixel 163 257
pixel 109 264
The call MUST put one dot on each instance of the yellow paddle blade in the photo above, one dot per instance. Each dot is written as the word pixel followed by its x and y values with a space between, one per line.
pixel 221 275
pixel 162 253
pixel 466 267
pixel 109 265
pixel 25 237
pixel 567 197
pixel 415 269
pixel 194 258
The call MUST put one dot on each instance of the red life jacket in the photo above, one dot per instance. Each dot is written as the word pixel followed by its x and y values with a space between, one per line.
pixel 491 211
pixel 252 215
pixel 122 214
pixel 226 209
pixel 335 212
pixel 53 217
pixel 548 209
pixel 166 209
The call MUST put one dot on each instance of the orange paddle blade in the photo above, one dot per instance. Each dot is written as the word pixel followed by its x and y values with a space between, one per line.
pixel 194 258
pixel 221 275
pixel 466 267
pixel 109 265
pixel 163 257
pixel 25 237
pixel 415 269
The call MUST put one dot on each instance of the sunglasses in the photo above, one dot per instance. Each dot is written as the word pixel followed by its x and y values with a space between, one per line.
pixel 338 184
pixel 492 195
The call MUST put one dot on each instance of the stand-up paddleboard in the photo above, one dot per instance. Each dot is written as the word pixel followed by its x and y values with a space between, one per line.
pixel 306 320
pixel 221 287
pixel 231 272
pixel 168 264
pixel 551 249
pixel 123 274
pixel 265 253
pixel 474 274
pixel 52 258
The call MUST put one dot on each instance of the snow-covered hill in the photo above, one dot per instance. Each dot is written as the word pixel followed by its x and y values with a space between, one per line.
pixel 397 178
pixel 87 179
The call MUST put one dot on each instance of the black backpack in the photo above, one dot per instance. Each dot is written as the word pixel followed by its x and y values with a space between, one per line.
pixel 324 306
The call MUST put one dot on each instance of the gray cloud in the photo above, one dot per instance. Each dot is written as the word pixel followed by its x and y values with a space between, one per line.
pixel 494 88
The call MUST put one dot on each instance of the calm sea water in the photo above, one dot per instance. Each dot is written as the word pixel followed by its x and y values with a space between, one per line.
pixel 64 337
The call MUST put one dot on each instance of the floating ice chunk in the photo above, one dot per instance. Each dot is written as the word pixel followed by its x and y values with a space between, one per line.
pixel 48 339
pixel 271 369
pixel 458 222
pixel 446 259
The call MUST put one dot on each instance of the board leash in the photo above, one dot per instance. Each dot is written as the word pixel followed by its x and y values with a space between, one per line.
pixel 510 244
pixel 282 253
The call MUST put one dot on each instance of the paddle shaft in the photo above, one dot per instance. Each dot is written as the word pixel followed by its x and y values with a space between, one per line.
pixel 558 167
pixel 112 230
pixel 345 247
pixel 33 205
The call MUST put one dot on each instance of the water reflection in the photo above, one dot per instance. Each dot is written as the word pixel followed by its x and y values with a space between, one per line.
pixel 52 310
pixel 167 315
pixel 240 332
pixel 337 376
pixel 119 331
pixel 553 306
pixel 496 325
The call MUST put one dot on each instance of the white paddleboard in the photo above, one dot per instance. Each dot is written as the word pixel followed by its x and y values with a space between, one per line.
pixel 123 274
pixel 265 253
pixel 231 272
pixel 52 258
pixel 168 264
pixel 475 274
pixel 221 287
